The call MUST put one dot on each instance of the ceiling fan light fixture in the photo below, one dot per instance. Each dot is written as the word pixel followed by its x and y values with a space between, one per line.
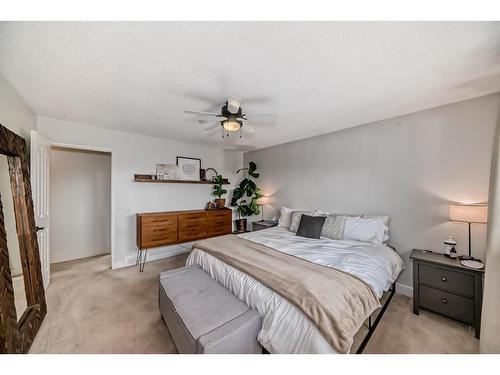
pixel 231 125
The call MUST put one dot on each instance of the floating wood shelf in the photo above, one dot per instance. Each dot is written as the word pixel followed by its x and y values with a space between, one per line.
pixel 147 178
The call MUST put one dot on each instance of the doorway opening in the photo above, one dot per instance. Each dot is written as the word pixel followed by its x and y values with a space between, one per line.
pixel 80 204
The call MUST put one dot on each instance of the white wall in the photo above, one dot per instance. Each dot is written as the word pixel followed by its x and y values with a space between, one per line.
pixel 133 153
pixel 15 114
pixel 408 167
pixel 80 204
pixel 490 324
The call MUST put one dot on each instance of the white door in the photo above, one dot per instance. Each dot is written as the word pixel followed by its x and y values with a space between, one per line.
pixel 40 162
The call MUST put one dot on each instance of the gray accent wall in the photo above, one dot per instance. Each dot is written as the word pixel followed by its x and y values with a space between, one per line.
pixel 409 167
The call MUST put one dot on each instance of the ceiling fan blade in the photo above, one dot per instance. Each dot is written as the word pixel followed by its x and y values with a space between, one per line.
pixel 240 148
pixel 202 113
pixel 268 117
pixel 233 104
pixel 247 128
pixel 259 124
pixel 213 127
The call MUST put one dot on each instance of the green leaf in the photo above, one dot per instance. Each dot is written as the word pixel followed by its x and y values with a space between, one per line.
pixel 253 205
pixel 252 167
pixel 247 189
pixel 250 188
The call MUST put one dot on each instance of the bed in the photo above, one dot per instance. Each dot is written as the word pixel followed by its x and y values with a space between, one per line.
pixel 285 328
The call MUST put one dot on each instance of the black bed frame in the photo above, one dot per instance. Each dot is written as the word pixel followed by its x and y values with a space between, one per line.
pixel 372 327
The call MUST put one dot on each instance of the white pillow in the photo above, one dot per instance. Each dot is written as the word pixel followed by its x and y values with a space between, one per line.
pixel 321 213
pixel 365 229
pixel 385 219
pixel 296 217
pixel 285 217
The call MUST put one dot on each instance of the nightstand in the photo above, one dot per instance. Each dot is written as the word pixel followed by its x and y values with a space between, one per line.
pixel 443 285
pixel 259 225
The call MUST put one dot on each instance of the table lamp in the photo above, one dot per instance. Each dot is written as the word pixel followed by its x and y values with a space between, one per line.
pixel 469 213
pixel 261 202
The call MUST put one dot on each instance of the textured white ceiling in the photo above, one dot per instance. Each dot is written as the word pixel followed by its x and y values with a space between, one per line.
pixel 318 77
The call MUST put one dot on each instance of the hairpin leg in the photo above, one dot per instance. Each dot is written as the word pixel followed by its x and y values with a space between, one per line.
pixel 142 260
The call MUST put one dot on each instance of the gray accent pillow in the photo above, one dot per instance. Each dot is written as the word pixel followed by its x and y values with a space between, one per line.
pixel 310 226
pixel 296 215
pixel 333 227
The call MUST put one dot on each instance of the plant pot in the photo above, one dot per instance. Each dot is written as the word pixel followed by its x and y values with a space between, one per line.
pixel 220 202
pixel 241 225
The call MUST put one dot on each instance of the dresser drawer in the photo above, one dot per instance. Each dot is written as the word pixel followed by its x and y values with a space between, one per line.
pixel 449 304
pixel 158 238
pixel 218 215
pixel 192 221
pixel 158 221
pixel 219 230
pixel 219 221
pixel 446 279
pixel 192 234
pixel 156 230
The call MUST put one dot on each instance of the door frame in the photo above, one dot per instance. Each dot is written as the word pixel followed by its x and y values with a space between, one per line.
pixel 112 198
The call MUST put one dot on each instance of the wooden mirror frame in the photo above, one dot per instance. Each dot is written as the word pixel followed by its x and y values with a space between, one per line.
pixel 16 336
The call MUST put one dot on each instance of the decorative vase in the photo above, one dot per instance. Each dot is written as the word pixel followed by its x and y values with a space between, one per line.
pixel 241 225
pixel 220 202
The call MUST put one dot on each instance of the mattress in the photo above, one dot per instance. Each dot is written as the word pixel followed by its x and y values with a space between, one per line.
pixel 285 328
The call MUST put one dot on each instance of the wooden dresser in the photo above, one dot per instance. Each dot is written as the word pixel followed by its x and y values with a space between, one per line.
pixel 444 286
pixel 168 228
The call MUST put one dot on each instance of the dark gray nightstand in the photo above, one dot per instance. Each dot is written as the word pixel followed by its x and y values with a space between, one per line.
pixel 259 225
pixel 443 285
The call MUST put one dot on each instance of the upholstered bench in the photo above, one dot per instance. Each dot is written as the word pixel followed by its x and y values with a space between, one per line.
pixel 204 317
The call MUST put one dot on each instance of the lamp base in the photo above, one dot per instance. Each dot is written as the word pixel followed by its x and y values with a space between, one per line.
pixel 465 257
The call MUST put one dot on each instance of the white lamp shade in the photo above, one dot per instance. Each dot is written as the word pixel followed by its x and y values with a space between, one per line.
pixel 263 201
pixel 469 213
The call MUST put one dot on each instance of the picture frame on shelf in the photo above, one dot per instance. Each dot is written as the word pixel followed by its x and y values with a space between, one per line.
pixel 189 168
pixel 167 172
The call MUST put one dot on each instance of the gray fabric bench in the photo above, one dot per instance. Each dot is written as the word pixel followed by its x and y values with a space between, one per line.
pixel 204 317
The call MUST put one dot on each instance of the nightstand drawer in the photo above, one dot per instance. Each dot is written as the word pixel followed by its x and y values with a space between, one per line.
pixel 452 305
pixel 452 281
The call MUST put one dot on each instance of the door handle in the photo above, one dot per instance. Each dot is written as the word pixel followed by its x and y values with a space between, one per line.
pixel 38 229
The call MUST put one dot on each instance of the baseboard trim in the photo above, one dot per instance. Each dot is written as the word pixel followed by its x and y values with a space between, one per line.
pixel 404 290
pixel 156 254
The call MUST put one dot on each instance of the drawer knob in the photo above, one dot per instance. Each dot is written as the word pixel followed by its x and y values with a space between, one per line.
pixel 444 300
pixel 444 279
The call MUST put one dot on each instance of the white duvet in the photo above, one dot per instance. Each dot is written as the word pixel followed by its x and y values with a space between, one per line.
pixel 285 329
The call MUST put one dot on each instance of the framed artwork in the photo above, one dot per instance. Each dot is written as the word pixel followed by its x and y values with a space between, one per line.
pixel 189 168
pixel 167 172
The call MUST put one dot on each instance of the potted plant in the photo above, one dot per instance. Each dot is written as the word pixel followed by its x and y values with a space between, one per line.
pixel 219 191
pixel 245 197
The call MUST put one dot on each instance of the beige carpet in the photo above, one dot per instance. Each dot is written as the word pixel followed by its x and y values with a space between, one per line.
pixel 93 309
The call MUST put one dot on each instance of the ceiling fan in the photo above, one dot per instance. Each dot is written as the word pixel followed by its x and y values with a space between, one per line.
pixel 232 118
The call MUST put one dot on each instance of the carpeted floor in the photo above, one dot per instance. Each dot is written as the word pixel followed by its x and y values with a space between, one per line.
pixel 93 309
